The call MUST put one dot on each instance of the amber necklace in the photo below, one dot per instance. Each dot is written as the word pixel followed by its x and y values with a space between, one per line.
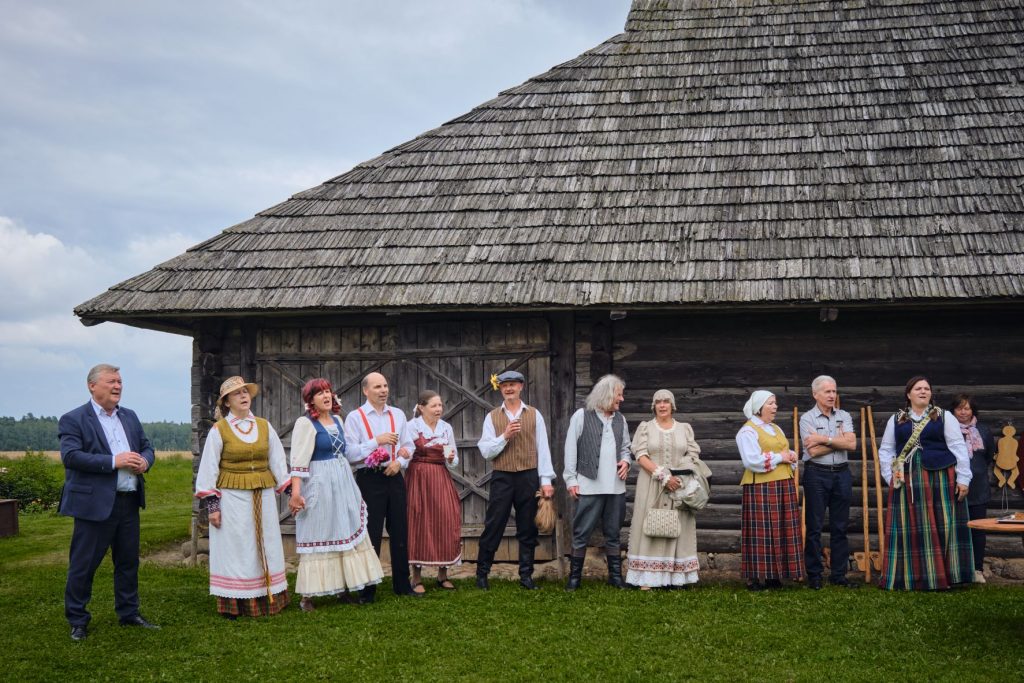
pixel 239 421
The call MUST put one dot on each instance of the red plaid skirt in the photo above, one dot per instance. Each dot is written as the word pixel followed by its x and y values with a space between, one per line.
pixel 252 607
pixel 770 542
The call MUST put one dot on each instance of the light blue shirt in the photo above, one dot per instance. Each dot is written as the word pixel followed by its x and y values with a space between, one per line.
pixel 113 430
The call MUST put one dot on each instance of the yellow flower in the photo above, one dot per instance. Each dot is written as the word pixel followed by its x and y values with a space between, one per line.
pixel 494 382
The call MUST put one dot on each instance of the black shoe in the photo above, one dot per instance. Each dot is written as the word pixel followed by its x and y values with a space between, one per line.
pixel 481 583
pixel 229 617
pixel 773 583
pixel 137 620
pixel 814 583
pixel 78 633
pixel 756 585
pixel 366 599
pixel 526 583
pixel 843 583
pixel 412 594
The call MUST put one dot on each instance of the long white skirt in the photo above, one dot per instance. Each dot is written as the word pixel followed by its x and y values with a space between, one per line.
pixel 236 566
pixel 335 553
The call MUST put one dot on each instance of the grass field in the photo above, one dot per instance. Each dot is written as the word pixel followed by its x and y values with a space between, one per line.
pixel 711 632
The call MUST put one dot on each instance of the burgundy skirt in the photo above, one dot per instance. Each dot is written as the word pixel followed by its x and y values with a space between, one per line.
pixel 435 515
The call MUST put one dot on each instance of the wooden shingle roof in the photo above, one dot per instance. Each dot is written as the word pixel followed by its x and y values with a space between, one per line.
pixel 713 153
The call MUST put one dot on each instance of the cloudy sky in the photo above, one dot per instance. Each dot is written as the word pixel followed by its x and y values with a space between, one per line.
pixel 132 130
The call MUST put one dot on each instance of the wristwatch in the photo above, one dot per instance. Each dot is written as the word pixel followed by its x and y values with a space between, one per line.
pixel 829 442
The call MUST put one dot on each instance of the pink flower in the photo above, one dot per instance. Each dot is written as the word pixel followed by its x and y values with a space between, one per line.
pixel 377 458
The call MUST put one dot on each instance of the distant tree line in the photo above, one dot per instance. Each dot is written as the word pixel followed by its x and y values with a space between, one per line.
pixel 40 434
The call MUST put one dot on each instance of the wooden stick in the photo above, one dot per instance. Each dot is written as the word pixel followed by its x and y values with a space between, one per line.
pixel 878 483
pixel 864 496
pixel 802 500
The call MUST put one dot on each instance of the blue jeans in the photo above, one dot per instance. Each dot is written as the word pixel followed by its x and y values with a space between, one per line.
pixel 831 491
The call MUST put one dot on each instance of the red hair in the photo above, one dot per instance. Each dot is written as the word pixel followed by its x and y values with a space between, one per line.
pixel 314 387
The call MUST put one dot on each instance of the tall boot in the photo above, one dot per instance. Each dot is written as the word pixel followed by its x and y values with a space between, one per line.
pixel 526 569
pixel 484 559
pixel 575 572
pixel 615 571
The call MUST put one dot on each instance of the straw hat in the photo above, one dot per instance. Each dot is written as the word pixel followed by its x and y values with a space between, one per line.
pixel 234 384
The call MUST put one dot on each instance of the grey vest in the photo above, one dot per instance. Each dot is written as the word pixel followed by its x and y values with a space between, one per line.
pixel 588 446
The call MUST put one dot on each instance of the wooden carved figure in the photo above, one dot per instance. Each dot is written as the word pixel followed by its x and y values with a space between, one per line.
pixel 1006 458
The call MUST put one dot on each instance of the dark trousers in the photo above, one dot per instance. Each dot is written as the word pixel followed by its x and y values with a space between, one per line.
pixel 508 490
pixel 978 537
pixel 831 491
pixel 89 543
pixel 610 510
pixel 385 502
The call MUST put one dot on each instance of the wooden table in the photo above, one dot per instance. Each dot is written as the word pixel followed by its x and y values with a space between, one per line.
pixel 992 526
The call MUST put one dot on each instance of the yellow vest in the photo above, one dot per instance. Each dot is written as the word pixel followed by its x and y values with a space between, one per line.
pixel 774 444
pixel 245 465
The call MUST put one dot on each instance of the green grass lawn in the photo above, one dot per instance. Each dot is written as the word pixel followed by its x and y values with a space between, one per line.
pixel 711 632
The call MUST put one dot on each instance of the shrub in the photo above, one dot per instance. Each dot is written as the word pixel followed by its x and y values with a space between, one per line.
pixel 34 481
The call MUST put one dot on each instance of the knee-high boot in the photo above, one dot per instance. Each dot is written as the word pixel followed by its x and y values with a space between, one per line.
pixel 575 572
pixel 484 559
pixel 526 569
pixel 615 571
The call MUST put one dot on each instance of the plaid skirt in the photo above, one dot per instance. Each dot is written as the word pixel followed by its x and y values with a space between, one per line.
pixel 928 544
pixel 252 607
pixel 770 543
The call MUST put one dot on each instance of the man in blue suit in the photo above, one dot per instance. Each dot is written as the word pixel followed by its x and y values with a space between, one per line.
pixel 105 452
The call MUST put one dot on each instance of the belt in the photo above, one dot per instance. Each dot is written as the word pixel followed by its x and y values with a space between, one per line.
pixel 127 493
pixel 828 468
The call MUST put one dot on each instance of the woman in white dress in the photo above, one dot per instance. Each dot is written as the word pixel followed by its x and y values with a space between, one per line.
pixel 663 446
pixel 335 553
pixel 242 469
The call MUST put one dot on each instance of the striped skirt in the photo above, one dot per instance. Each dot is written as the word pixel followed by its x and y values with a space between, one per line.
pixel 435 516
pixel 770 543
pixel 927 544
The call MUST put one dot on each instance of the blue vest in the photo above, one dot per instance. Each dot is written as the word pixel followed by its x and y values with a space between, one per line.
pixel 323 448
pixel 935 455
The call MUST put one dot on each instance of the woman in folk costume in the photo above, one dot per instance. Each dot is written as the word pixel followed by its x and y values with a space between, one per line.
pixel 770 544
pixel 661 446
pixel 435 514
pixel 982 449
pixel 242 470
pixel 335 552
pixel 924 459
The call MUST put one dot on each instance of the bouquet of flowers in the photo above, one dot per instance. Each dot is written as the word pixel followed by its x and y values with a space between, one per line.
pixel 378 458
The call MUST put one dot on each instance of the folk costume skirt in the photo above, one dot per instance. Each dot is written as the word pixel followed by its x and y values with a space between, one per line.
pixel 658 562
pixel 770 543
pixel 335 552
pixel 928 543
pixel 246 555
pixel 435 515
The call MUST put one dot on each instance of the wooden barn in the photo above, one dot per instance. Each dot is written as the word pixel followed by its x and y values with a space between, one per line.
pixel 724 196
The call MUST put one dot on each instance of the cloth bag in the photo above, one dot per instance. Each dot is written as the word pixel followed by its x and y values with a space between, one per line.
pixel 662 522
pixel 694 491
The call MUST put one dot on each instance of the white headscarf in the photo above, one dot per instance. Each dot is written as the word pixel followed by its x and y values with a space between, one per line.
pixel 754 403
pixel 663 395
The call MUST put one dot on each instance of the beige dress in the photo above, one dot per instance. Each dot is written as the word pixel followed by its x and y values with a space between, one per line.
pixel 663 561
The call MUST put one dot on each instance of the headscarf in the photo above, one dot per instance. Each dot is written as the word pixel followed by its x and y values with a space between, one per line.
pixel 971 435
pixel 663 395
pixel 754 403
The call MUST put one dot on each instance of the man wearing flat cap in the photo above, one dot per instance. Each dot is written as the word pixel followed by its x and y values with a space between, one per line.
pixel 515 440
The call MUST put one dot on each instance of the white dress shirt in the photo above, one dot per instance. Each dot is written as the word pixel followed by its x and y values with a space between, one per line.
pixel 491 445
pixel 380 423
pixel 751 454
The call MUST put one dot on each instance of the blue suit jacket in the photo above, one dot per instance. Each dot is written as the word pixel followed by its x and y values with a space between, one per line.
pixel 90 480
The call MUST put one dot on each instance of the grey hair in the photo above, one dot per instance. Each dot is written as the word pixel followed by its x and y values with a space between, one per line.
pixel 97 370
pixel 602 395
pixel 819 380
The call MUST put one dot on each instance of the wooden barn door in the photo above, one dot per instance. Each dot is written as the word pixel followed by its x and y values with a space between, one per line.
pixel 454 358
